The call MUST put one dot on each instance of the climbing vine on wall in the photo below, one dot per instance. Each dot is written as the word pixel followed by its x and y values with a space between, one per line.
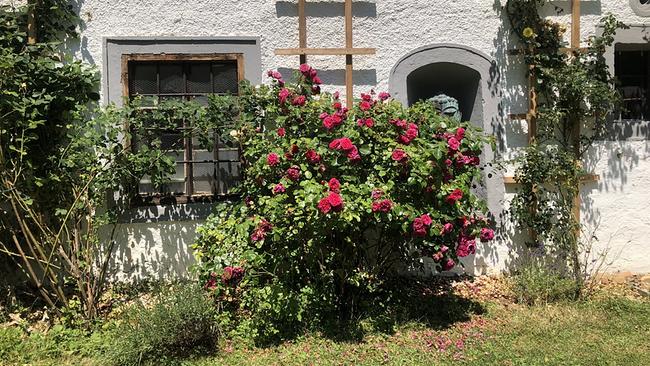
pixel 575 97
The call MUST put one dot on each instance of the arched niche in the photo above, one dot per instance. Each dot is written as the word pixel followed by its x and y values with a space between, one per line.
pixel 452 79
pixel 458 71
pixel 473 78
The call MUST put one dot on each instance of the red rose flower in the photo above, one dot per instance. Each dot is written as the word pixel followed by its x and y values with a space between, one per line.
pixel 278 188
pixel 419 229
pixel 353 154
pixel 316 80
pixel 454 196
pixel 365 106
pixel 426 219
pixel 299 100
pixel 382 206
pixel 324 205
pixel 453 144
pixel 460 133
pixel 399 155
pixel 366 97
pixel 312 156
pixel 448 264
pixel 487 234
pixel 346 144
pixel 293 173
pixel 383 96
pixel 376 194
pixel 335 201
pixel 447 228
pixel 283 95
pixel 334 185
pixel 273 159
pixel 281 132
pixel 305 69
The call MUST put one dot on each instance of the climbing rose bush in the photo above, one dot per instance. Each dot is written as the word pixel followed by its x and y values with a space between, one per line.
pixel 336 200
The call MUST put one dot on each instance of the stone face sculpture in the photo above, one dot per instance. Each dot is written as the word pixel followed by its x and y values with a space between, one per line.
pixel 447 106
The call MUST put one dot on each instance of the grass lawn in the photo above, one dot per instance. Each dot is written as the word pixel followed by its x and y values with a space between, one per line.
pixel 612 330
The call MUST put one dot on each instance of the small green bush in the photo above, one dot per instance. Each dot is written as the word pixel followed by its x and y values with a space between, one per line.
pixel 536 284
pixel 178 323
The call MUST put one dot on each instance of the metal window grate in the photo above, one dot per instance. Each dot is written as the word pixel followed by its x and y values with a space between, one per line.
pixel 199 172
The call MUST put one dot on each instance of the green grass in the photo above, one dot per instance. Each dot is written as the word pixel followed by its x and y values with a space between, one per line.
pixel 612 331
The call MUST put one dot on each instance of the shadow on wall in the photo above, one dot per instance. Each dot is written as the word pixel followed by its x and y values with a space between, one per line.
pixel 326 9
pixel 79 46
pixel 158 250
pixel 337 76
pixel 621 157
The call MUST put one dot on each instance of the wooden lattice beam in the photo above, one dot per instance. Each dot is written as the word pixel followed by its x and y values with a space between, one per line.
pixel 303 51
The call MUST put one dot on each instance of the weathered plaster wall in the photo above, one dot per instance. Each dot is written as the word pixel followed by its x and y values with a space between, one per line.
pixel 394 28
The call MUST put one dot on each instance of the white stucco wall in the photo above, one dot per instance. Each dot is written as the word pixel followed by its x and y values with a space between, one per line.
pixel 394 28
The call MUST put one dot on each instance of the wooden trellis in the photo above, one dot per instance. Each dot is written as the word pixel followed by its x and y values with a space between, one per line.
pixel 303 51
pixel 531 115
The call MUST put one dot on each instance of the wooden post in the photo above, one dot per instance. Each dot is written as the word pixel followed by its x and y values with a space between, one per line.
pixel 349 87
pixel 575 44
pixel 302 29
pixel 31 21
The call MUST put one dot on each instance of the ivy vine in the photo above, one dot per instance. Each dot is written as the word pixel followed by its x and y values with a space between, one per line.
pixel 576 95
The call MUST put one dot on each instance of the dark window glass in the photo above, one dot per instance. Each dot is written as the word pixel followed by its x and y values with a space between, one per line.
pixel 632 70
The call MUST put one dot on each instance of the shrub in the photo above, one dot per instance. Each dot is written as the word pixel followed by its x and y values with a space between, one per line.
pixel 536 284
pixel 178 323
pixel 335 201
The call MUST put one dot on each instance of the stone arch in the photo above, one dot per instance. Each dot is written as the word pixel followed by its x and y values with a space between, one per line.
pixel 458 64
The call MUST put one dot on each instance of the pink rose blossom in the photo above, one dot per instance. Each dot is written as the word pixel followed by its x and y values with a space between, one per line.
pixel 454 196
pixel 399 155
pixel 279 188
pixel 446 228
pixel 272 159
pixel 334 185
pixel 305 69
pixel 448 264
pixel 335 201
pixel 293 173
pixel 300 100
pixel 283 95
pixel 312 156
pixel 487 234
pixel 453 144
pixel 383 96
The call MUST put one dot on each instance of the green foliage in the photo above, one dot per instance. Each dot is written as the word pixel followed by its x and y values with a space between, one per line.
pixel 312 242
pixel 575 97
pixel 179 322
pixel 67 168
pixel 536 284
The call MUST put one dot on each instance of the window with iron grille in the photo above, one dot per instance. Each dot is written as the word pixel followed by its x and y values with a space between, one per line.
pixel 632 69
pixel 200 173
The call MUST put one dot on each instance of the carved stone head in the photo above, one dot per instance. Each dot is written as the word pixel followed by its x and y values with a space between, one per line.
pixel 446 105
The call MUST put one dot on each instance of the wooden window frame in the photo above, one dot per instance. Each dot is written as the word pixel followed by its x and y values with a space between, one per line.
pixel 143 199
